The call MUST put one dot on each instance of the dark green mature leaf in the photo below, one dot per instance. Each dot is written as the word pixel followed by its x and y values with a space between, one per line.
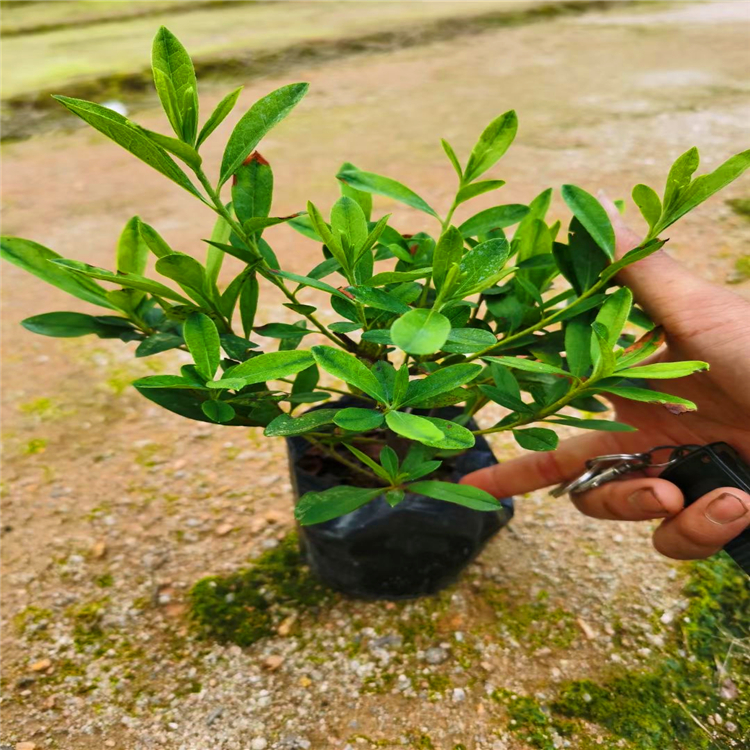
pixel 358 420
pixel 223 108
pixel 129 280
pixel 317 507
pixel 202 340
pixel 536 439
pixel 73 324
pixel 482 267
pixel 477 188
pixel 492 144
pixel 36 259
pixel 420 331
pixel 587 260
pixel 284 425
pixel 498 217
pixel 529 365
pixel 186 271
pixel 460 494
pixel 369 182
pixel 281 331
pixel 256 122
pixel 614 313
pixel 448 252
pixel 594 218
pixel 413 427
pixel 578 346
pixel 468 340
pixel 167 381
pixel 380 336
pixel 504 398
pixel 605 425
pixel 648 204
pixel 130 136
pixel 218 411
pixel 664 370
pixel 378 299
pixel 157 343
pixel 271 366
pixel 348 368
pixel 445 379
pixel 252 191
pixel 171 59
pixel 646 395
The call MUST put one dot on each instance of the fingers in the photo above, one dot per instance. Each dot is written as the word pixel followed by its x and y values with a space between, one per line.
pixel 631 500
pixel 706 526
pixel 536 470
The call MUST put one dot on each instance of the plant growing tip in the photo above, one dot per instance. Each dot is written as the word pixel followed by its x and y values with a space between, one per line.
pixel 407 323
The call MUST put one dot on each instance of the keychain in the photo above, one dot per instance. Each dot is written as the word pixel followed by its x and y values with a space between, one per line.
pixel 695 469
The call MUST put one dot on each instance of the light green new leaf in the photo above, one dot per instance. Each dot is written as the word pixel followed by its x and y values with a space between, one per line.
pixel 181 150
pixel 594 218
pixel 460 494
pixel 314 283
pixel 395 277
pixel 363 199
pixel 451 154
pixel 317 507
pixel 285 426
pixel 679 177
pixel 132 251
pixel 358 420
pixel 255 123
pixel 482 267
pixel 413 427
pixel 348 219
pixel 477 188
pixel 367 461
pixel 37 260
pixel 664 370
pixel 252 191
pixel 445 379
pixel 130 136
pixel 448 252
pixel 223 108
pixel 536 439
pixel 202 340
pixel 420 331
pixel 602 354
pixel 468 340
pixel 614 313
pixel 454 437
pixel 272 366
pixel 605 425
pixel 154 241
pixel 529 365
pixel 214 256
pixel 218 411
pixel 348 368
pixel 498 217
pixel 646 395
pixel 385 186
pixel 492 144
pixel 648 204
pixel 186 271
pixel 378 299
pixel 504 398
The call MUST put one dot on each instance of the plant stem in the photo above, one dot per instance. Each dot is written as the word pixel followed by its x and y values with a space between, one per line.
pixel 336 457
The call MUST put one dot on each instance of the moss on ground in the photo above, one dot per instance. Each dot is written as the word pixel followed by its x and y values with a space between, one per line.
pixel 741 206
pixel 245 606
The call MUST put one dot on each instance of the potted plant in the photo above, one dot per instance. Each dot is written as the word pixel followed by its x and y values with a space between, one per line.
pixel 431 328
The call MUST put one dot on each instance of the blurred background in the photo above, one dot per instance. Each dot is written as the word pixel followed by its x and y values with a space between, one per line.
pixel 113 509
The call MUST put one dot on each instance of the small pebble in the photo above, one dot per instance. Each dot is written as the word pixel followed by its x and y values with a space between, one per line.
pixel 435 655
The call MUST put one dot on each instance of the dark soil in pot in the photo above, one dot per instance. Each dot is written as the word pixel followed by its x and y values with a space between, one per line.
pixel 379 552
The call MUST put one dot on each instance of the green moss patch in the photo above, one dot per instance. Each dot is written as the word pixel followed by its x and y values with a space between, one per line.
pixel 248 605
pixel 741 206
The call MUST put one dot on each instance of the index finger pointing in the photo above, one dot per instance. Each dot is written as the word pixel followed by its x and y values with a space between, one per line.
pixel 536 470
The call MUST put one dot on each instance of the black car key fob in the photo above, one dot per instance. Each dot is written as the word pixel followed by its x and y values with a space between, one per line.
pixel 697 470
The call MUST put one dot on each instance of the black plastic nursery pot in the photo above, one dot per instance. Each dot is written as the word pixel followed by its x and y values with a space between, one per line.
pixel 381 552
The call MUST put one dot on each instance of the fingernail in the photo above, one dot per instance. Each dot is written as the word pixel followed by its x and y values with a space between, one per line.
pixel 646 501
pixel 725 509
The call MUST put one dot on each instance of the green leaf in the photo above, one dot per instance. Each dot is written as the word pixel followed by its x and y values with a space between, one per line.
pixel 638 253
pixel 186 271
pixel 601 352
pixel 255 123
pixel 130 136
pixel 645 395
pixel 36 259
pixel 252 191
pixel 460 494
pixel 578 346
pixel 454 436
pixel 679 177
pixel 249 303
pixel 482 267
pixel 643 348
pixel 614 313
pixel 379 185
pixel 348 368
pixel 166 381
pixel 448 252
pixel 223 108
pixel 420 331
pixel 492 144
pixel 378 299
pixel 477 188
pixel 311 282
pixel 284 425
pixel 385 373
pixel 445 379
pixel 281 331
pixel 424 468
pixel 181 150
pixel 468 340
pixel 348 221
pixel 536 439
pixel 317 507
pixel 498 217
pixel 170 58
pixel 154 241
pixel 367 461
pixel 451 154
pixel 594 218
pixel 221 233
pixel 605 425
pixel 380 336
pixel 664 370
pixel 202 340
pixel 648 204
pixel 132 251
pixel 396 277
pixel 363 199
pixel 72 324
pixel 389 460
pixel 394 497
pixel 413 427
pixel 358 420
pixel 157 343
pixel 528 365
pixel 271 366
pixel 218 411
pixel 128 280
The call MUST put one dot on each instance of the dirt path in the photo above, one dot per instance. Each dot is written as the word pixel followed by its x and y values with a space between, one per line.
pixel 113 509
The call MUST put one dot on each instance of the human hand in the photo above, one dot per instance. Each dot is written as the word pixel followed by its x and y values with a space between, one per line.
pixel 702 321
